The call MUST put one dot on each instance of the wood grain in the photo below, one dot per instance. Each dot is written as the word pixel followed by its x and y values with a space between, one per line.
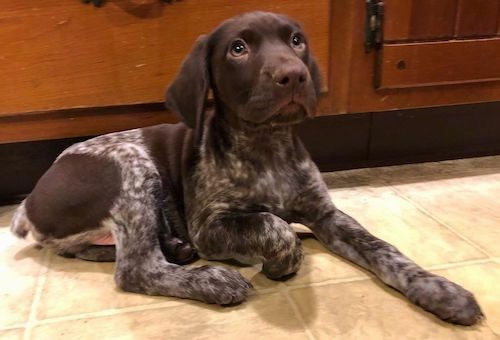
pixel 477 18
pixel 341 40
pixel 431 19
pixel 397 19
pixel 80 122
pixel 439 63
pixel 63 54
pixel 419 19
pixel 363 97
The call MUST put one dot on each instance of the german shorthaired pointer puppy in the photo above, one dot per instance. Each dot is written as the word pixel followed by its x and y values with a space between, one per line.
pixel 229 181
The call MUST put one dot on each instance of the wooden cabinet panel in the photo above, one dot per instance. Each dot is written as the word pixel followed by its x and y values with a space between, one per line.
pixel 446 58
pixel 439 63
pixel 419 19
pixel 81 122
pixel 397 20
pixel 477 18
pixel 63 54
pixel 67 67
pixel 431 19
pixel 403 86
pixel 414 20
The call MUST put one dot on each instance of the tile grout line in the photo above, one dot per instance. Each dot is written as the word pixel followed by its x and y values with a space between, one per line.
pixel 125 310
pixel 117 311
pixel 330 282
pixel 168 304
pixel 32 322
pixel 11 327
pixel 107 312
pixel 297 313
pixel 442 223
pixel 110 312
pixel 373 277
pixel 458 264
pixel 40 283
pixel 264 291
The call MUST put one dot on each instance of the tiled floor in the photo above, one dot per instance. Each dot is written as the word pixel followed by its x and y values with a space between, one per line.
pixel 444 215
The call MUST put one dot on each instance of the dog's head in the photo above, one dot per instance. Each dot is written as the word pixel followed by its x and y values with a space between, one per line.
pixel 259 67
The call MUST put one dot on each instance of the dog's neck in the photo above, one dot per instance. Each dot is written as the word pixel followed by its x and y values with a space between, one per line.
pixel 242 140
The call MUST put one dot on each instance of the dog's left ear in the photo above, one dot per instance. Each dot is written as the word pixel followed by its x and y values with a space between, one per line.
pixel 313 67
pixel 187 94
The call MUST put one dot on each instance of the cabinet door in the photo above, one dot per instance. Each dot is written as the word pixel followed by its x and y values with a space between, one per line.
pixel 433 52
pixel 59 54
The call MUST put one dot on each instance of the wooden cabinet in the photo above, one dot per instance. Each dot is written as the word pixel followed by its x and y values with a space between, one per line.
pixel 63 54
pixel 70 69
pixel 432 52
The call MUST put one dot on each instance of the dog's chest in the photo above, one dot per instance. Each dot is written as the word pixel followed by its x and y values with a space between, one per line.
pixel 245 185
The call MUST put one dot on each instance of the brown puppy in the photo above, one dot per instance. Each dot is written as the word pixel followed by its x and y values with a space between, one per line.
pixel 230 183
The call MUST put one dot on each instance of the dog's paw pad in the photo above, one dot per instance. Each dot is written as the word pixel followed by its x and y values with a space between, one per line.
pixel 445 299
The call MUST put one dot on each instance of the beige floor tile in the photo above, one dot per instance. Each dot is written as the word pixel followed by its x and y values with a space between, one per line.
pixel 368 310
pixel 321 265
pixel 353 178
pixel 74 286
pixel 94 288
pixel 268 316
pixel 252 273
pixel 392 218
pixel 19 269
pixel 470 205
pixel 463 194
pixel 482 280
pixel 6 213
pixel 411 173
pixel 12 334
pixel 439 170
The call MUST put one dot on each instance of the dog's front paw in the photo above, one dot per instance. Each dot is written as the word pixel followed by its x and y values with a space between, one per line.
pixel 215 284
pixel 285 265
pixel 445 299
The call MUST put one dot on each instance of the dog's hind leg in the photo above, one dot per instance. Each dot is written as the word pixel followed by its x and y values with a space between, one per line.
pixel 98 253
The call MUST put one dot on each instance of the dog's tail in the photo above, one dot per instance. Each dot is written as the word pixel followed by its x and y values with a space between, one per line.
pixel 20 224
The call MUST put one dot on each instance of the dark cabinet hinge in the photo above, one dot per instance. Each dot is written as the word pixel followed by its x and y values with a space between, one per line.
pixel 374 25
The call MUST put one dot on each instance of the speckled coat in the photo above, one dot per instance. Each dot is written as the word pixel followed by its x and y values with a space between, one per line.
pixel 229 184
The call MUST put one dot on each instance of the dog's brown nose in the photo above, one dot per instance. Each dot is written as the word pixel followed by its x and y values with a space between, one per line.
pixel 290 75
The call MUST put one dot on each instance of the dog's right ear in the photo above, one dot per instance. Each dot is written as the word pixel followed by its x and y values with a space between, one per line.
pixel 187 94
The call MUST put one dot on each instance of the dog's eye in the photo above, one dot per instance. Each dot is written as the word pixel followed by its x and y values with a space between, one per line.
pixel 297 41
pixel 238 48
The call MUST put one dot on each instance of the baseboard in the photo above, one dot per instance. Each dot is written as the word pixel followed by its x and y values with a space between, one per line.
pixel 403 136
pixel 335 142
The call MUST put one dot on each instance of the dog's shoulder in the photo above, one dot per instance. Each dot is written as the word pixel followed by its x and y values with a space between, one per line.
pixel 171 146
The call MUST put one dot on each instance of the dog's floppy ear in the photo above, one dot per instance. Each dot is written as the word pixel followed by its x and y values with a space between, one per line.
pixel 313 67
pixel 187 94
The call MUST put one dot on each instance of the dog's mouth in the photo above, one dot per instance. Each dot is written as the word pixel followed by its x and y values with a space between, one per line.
pixel 291 113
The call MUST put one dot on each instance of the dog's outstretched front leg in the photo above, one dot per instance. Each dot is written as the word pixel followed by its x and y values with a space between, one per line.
pixel 141 266
pixel 250 238
pixel 345 236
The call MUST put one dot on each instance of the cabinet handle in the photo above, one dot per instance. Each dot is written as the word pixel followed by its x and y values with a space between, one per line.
pixel 99 3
